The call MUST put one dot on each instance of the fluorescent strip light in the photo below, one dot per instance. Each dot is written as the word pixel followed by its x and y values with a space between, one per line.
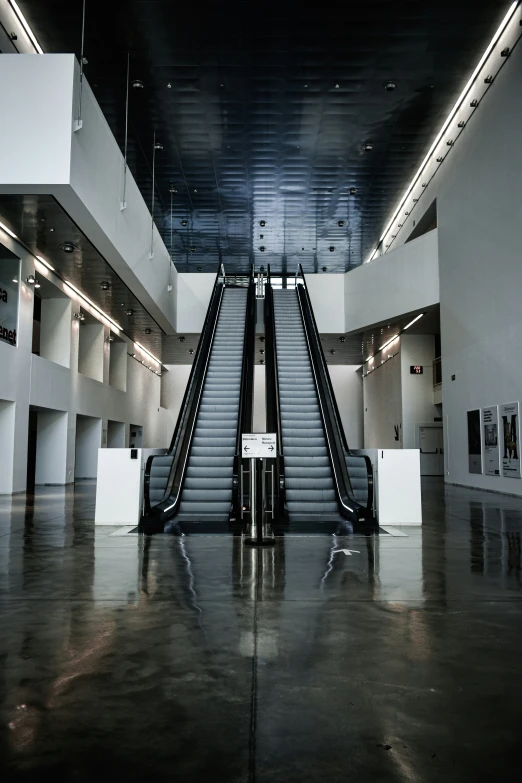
pixel 95 307
pixel 412 322
pixel 23 22
pixel 389 341
pixel 147 352
pixel 451 115
pixel 45 263
pixel 8 231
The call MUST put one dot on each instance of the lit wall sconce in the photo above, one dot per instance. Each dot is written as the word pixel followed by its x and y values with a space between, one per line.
pixel 79 316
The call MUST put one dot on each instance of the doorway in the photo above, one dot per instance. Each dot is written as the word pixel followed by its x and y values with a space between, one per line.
pixel 136 437
pixel 431 445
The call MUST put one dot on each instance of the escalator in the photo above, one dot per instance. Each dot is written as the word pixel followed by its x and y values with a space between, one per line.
pixel 319 480
pixel 194 487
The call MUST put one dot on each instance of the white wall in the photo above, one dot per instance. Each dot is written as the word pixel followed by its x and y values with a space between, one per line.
pixel 26 379
pixel 91 351
pixel 173 385
pixel 116 434
pixel 55 330
pixel 479 207
pixel 259 417
pixel 348 388
pixel 417 390
pixel 88 441
pixel 7 430
pixel 383 405
pixel 403 281
pixel 51 448
pixel 327 297
pixel 82 170
pixel 193 294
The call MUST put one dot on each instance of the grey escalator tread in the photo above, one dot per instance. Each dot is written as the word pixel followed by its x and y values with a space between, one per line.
pixel 310 492
pixel 207 490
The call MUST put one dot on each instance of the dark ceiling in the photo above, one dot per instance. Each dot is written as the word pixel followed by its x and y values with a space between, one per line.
pixel 263 111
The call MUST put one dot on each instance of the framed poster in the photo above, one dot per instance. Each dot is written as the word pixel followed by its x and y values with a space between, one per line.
pixel 491 441
pixel 474 442
pixel 9 292
pixel 510 425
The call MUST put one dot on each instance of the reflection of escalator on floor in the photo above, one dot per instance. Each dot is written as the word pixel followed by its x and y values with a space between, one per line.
pixel 194 483
pixel 321 479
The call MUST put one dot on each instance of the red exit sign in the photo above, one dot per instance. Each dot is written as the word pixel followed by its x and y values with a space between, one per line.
pixel 416 369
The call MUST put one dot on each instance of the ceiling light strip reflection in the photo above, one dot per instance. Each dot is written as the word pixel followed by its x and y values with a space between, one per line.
pixel 412 322
pixel 95 307
pixel 141 347
pixel 45 263
pixel 448 120
pixel 8 231
pixel 23 22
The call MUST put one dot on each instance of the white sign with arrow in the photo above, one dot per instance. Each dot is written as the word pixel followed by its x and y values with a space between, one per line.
pixel 259 444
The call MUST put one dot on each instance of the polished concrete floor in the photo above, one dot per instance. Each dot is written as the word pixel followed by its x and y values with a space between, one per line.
pixel 198 659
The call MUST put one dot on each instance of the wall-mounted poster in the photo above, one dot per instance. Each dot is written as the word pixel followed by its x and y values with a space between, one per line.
pixel 491 441
pixel 9 287
pixel 510 426
pixel 474 442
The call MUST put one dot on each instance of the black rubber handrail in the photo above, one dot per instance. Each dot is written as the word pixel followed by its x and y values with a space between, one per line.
pixel 246 396
pixel 273 403
pixel 335 438
pixel 182 438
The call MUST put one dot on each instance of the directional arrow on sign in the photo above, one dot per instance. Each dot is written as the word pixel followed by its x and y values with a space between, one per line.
pixel 349 552
pixel 246 448
pixel 271 448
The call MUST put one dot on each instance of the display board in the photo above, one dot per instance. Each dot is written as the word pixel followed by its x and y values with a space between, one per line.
pixel 474 442
pixel 491 441
pixel 510 427
pixel 9 292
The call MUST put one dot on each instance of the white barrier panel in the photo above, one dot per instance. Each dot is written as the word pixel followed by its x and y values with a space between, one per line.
pixel 119 489
pixel 397 485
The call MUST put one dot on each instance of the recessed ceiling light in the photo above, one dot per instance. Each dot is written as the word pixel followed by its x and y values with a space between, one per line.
pixel 129 312
pixel 262 248
pixel 191 350
pixel 68 247
pixel 324 268
pixel 169 85
pixel 148 331
pixel 262 222
pixel 353 191
pixel 389 86
pixel 340 223
pixel 172 189
pixel 332 351
pixel 184 222
pixel 331 248
pixel 336 86
pixel 105 285
pixel 192 249
pixel 158 145
pixel 137 84
pixel 367 146
pixel 200 268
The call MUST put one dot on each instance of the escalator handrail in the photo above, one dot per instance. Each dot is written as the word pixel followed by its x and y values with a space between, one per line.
pixel 273 402
pixel 246 394
pixel 326 400
pixel 180 443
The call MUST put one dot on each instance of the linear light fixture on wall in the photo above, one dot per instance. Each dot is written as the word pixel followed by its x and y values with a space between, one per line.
pixel 112 323
pixel 140 346
pixel 440 136
pixel 412 322
pixel 8 231
pixel 23 22
pixel 389 342
pixel 46 263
